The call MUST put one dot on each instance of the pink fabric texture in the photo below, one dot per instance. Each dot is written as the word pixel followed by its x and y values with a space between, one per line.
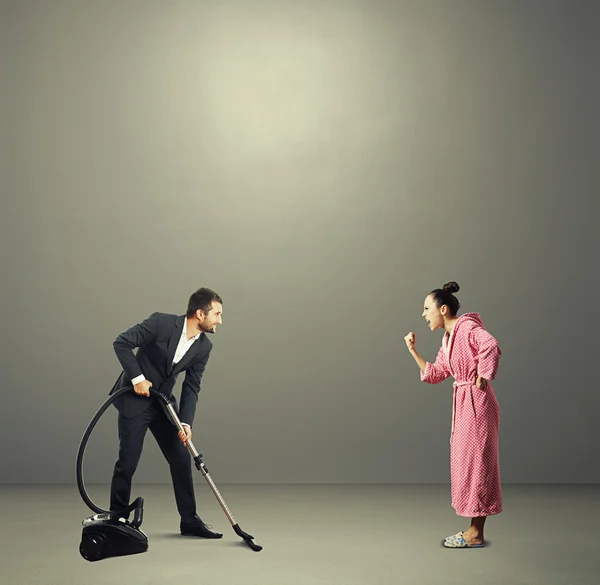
pixel 467 352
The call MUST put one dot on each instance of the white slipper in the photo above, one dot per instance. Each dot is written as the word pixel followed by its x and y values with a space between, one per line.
pixel 458 541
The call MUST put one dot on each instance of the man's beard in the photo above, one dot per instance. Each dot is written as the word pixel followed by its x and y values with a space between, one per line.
pixel 206 329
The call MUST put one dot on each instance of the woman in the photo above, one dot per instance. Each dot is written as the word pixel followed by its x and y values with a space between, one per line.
pixel 471 355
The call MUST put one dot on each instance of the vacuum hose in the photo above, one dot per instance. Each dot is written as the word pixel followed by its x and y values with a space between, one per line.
pixel 138 504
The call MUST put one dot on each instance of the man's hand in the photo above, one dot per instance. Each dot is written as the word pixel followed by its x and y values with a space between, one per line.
pixel 143 388
pixel 188 434
pixel 481 383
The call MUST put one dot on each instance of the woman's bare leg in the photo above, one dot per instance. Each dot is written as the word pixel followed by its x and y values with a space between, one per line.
pixel 475 533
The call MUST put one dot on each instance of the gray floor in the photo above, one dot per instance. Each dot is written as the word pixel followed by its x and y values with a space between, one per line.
pixel 312 535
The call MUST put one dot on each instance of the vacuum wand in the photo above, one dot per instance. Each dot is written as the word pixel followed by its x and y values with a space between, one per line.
pixel 197 457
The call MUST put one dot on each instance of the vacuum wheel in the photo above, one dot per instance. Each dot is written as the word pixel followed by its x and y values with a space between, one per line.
pixel 91 547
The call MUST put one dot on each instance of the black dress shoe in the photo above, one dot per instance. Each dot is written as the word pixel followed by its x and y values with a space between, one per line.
pixel 198 528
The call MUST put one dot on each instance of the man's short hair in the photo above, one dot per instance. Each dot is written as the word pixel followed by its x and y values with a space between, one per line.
pixel 202 299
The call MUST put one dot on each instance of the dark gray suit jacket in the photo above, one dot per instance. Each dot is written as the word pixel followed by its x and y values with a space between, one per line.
pixel 156 339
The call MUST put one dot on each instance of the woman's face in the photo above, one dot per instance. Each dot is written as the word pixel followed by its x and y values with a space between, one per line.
pixel 431 314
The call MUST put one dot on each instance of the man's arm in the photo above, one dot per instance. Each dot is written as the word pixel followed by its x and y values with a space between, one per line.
pixel 137 336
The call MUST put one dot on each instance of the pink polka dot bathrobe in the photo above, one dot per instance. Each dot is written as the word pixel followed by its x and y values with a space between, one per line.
pixel 467 352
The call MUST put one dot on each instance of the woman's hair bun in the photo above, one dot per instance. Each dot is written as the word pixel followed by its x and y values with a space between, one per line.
pixel 451 287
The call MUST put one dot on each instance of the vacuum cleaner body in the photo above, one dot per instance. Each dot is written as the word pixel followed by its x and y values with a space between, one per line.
pixel 112 535
pixel 105 536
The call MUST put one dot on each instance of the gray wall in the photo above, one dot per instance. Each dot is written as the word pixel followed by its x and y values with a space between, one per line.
pixel 322 165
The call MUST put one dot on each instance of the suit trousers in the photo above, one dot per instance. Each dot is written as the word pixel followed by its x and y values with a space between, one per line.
pixel 131 441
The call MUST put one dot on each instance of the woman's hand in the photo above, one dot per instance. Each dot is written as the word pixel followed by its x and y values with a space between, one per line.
pixel 410 343
pixel 481 383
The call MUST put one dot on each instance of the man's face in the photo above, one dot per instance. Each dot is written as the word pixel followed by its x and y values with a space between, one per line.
pixel 209 321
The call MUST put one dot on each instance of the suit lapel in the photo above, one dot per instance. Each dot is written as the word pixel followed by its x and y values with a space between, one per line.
pixel 190 354
pixel 173 342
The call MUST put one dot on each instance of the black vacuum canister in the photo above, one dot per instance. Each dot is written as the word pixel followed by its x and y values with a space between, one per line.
pixel 105 536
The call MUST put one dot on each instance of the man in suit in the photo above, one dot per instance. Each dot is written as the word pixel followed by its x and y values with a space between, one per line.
pixel 166 346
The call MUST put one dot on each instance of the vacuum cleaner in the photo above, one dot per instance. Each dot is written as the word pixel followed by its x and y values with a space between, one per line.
pixel 107 534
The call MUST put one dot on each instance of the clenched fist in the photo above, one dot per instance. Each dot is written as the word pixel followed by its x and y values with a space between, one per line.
pixel 410 341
